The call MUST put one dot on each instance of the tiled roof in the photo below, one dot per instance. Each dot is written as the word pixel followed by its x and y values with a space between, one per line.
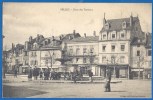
pixel 149 40
pixel 116 24
pixel 66 37
pixel 137 41
pixel 86 39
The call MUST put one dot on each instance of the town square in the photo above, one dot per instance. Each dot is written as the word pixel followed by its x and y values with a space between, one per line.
pixel 64 53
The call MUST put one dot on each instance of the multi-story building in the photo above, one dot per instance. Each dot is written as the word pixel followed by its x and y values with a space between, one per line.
pixel 115 45
pixel 148 46
pixel 47 52
pixel 141 57
pixel 83 52
pixel 121 46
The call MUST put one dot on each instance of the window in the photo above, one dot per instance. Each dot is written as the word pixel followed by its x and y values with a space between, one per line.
pixel 25 53
pixel 103 59
pixel 113 36
pixel 139 40
pixel 45 42
pixel 104 36
pixel 46 62
pixel 122 59
pixel 113 48
pixel 71 51
pixel 124 24
pixel 149 52
pixel 113 60
pixel 103 48
pixel 138 53
pixel 91 50
pixel 31 54
pixel 122 47
pixel 77 59
pixel 138 45
pixel 84 60
pixel 150 64
pixel 77 51
pixel 91 60
pixel 107 25
pixel 35 62
pixel 84 50
pixel 122 35
pixel 83 70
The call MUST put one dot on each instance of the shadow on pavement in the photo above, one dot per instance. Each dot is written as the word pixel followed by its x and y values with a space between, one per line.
pixel 19 92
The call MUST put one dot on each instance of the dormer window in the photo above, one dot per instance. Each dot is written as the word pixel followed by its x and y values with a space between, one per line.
pixel 104 36
pixel 48 40
pixel 35 45
pixel 124 24
pixel 107 25
pixel 45 42
pixel 113 36
pixel 122 35
pixel 139 40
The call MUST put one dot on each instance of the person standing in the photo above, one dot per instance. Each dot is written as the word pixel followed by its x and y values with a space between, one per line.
pixel 34 73
pixel 90 75
pixel 41 74
pixel 30 74
pixel 15 73
pixel 108 80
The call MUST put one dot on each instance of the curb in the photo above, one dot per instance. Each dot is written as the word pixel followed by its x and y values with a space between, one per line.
pixel 48 81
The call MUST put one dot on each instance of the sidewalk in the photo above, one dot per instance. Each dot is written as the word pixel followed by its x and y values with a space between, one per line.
pixel 24 78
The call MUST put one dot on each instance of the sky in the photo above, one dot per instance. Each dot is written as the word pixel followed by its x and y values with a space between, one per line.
pixel 21 20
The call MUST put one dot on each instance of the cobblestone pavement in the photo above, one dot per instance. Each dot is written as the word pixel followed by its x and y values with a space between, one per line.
pixel 124 89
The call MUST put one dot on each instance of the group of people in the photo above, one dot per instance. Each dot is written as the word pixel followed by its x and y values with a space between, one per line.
pixel 43 75
pixel 46 75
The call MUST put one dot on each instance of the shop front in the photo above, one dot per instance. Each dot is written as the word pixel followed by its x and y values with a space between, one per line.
pixel 117 71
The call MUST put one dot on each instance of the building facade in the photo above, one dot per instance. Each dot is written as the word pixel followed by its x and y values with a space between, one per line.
pixel 115 46
pixel 83 52
pixel 121 46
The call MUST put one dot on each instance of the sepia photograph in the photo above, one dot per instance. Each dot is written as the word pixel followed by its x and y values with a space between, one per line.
pixel 76 50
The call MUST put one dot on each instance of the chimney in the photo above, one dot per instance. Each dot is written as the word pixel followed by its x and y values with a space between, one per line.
pixel 48 40
pixel 84 35
pixel 70 37
pixel 53 38
pixel 131 20
pixel 30 38
pixel 94 33
pixel 26 45
pixel 12 47
pixel 104 20
pixel 60 37
pixel 37 35
pixel 37 39
pixel 74 32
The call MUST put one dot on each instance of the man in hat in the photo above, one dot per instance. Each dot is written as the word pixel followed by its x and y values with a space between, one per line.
pixel 108 80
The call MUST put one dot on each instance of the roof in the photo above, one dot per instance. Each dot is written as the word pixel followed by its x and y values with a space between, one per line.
pixel 116 24
pixel 149 40
pixel 137 41
pixel 66 37
pixel 86 39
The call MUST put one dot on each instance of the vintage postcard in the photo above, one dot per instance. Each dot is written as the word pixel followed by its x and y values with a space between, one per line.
pixel 77 50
